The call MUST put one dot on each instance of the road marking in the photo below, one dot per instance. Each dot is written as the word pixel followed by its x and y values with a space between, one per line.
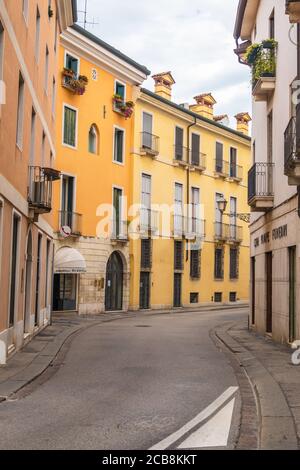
pixel 214 433
pixel 202 416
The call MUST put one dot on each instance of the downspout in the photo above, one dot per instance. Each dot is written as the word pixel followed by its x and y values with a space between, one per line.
pixel 188 176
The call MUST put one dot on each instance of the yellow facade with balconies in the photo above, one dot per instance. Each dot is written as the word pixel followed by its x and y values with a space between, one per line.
pixel 184 156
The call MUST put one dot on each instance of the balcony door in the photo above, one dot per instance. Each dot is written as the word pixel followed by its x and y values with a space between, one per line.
pixel 292 294
pixel 195 210
pixel 72 63
pixel 195 149
pixel 219 157
pixel 269 292
pixel 233 218
pixel 233 162
pixel 67 201
pixel 147 131
pixel 178 214
pixel 219 215
pixel 114 283
pixel 145 290
pixel 117 205
pixel 178 143
pixel 28 284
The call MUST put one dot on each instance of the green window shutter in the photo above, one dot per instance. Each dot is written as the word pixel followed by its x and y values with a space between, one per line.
pixel 70 127
pixel 118 153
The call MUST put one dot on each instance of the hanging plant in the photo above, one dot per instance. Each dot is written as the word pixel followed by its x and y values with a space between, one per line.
pixel 269 44
pixel 252 53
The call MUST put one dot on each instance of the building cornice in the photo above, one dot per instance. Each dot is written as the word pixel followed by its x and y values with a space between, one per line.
pixel 67 13
pixel 189 116
pixel 96 53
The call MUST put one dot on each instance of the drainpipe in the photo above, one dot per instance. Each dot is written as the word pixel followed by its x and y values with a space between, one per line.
pixel 188 174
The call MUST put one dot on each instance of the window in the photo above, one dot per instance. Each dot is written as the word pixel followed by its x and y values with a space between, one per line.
pixel 119 142
pixel 70 126
pixel 147 131
pixel 219 263
pixel 233 162
pixel 195 149
pixel 194 297
pixel 46 69
pixel 120 90
pixel 67 200
pixel 270 137
pixel 93 139
pixel 14 268
pixel 178 214
pixel 146 253
pixel 233 218
pixel 232 297
pixel 218 296
pixel 178 143
pixel 117 219
pixel 37 34
pixel 43 148
pixel 195 264
pixel 233 263
pixel 145 221
pixel 53 96
pixel 219 216
pixel 48 249
pixel 72 63
pixel 272 25
pixel 32 136
pixel 25 10
pixel 20 112
pixel 37 280
pixel 219 157
pixel 195 210
pixel 178 255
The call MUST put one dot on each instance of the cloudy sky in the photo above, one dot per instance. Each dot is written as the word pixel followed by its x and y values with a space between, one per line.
pixel 192 38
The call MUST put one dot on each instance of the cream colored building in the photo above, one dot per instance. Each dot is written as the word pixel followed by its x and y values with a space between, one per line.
pixel 274 177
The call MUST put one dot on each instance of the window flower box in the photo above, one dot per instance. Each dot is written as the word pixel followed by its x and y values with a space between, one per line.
pixel 74 83
pixel 123 107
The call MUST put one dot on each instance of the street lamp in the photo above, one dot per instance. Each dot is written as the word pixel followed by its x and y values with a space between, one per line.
pixel 222 204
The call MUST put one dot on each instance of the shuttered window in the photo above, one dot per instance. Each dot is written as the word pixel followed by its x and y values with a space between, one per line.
pixel 195 149
pixel 233 162
pixel 70 117
pixel 218 296
pixel 219 260
pixel 233 263
pixel 178 255
pixel 195 264
pixel 219 157
pixel 178 143
pixel 146 253
pixel 119 146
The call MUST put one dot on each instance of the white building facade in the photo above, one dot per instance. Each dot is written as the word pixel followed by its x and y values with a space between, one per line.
pixel 267 35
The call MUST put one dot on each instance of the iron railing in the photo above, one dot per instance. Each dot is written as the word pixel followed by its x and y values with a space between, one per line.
pixel 235 233
pixel 73 220
pixel 235 171
pixel 222 231
pixel 260 181
pixel 40 188
pixel 222 168
pixel 198 159
pixel 119 230
pixel 181 154
pixel 194 227
pixel 149 220
pixel 292 143
pixel 149 143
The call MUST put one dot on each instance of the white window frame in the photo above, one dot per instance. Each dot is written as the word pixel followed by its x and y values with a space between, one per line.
pixel 121 83
pixel 66 105
pixel 67 52
pixel 124 145
pixel 19 215
pixel 74 192
pixel 120 188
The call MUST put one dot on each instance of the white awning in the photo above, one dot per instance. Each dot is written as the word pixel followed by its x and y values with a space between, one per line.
pixel 68 260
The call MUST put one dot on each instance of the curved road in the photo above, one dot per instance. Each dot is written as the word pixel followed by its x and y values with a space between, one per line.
pixel 126 384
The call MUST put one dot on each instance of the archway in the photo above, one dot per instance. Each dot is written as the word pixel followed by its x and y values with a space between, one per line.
pixel 28 284
pixel 114 283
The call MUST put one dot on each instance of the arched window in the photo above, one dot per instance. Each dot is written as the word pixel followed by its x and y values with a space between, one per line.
pixel 93 139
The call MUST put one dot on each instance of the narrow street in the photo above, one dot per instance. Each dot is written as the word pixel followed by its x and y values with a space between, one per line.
pixel 130 384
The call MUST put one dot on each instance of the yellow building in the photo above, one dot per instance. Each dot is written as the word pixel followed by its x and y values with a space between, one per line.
pixel 94 131
pixel 186 158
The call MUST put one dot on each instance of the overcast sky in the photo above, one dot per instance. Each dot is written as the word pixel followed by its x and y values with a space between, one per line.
pixel 192 38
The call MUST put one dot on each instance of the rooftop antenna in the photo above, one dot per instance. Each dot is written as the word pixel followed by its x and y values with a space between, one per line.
pixel 85 21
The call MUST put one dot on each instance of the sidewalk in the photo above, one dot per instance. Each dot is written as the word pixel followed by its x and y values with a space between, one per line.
pixel 275 384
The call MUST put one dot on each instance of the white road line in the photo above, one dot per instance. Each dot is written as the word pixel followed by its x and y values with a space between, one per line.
pixel 214 433
pixel 165 443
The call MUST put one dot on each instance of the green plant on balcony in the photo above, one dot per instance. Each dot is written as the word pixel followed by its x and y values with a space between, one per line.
pixel 76 84
pixel 124 107
pixel 262 58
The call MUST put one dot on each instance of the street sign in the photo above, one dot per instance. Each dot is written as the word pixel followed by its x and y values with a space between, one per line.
pixel 65 231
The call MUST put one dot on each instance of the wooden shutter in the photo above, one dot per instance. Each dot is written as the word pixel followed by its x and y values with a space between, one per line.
pixel 178 255
pixel 195 149
pixel 219 157
pixel 146 253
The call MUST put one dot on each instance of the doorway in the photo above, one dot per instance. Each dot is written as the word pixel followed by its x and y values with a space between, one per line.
pixel 145 291
pixel 65 292
pixel 114 283
pixel 28 284
pixel 292 294
pixel 269 291
pixel 177 289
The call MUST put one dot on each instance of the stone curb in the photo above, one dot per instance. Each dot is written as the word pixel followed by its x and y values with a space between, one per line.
pixel 276 430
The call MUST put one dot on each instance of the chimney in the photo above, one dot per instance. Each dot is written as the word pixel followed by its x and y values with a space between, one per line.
pixel 242 120
pixel 163 84
pixel 205 105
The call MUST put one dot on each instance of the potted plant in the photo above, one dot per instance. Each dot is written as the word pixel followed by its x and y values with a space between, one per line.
pixel 83 79
pixel 118 98
pixel 252 53
pixel 68 72
pixel 269 44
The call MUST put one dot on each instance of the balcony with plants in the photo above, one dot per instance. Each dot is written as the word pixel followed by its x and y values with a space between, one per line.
pixel 293 10
pixel 73 82
pixel 261 57
pixel 292 150
pixel 125 108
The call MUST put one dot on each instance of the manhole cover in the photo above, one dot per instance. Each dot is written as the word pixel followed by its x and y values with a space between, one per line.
pixel 143 326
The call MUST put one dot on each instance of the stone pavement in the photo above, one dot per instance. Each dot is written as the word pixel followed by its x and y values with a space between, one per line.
pixel 275 384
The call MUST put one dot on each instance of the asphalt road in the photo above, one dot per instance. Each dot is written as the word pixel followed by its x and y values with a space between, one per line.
pixel 126 384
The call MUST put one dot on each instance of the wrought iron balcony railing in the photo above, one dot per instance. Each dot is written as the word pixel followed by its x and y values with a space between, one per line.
pixel 72 220
pixel 292 149
pixel 149 220
pixel 194 228
pixel 222 168
pixel 197 160
pixel 235 233
pixel 260 182
pixel 119 230
pixel 40 188
pixel 222 231
pixel 149 144
pixel 181 155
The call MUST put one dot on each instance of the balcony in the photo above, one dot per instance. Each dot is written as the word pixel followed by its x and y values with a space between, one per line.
pixel 181 156
pixel 73 82
pixel 235 173
pixel 40 189
pixel 292 150
pixel 149 145
pixel 120 106
pixel 260 187
pixel 293 10
pixel 194 228
pixel 119 232
pixel 221 232
pixel 197 161
pixel 222 169
pixel 178 226
pixel 149 221
pixel 235 234
pixel 262 58
pixel 70 224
